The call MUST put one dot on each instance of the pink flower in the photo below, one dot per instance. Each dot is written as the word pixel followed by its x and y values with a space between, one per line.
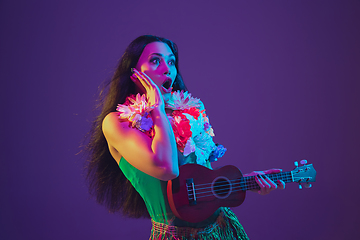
pixel 136 110
pixel 182 130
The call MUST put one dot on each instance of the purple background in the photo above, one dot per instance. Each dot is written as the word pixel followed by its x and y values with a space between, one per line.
pixel 279 79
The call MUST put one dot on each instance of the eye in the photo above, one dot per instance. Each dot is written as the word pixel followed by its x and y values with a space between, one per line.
pixel 172 62
pixel 155 60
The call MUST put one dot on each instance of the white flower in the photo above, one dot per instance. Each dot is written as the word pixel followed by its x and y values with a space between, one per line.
pixel 181 100
pixel 201 142
pixel 189 147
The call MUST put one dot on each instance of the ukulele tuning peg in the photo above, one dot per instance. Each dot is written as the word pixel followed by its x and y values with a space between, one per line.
pixel 307 185
pixel 303 162
pixel 296 164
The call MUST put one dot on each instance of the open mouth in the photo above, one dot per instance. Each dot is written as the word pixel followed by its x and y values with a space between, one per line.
pixel 167 85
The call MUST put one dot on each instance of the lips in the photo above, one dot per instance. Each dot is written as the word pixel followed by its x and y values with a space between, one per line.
pixel 166 86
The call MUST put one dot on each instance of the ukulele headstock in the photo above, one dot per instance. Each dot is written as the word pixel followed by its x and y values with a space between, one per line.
pixel 303 174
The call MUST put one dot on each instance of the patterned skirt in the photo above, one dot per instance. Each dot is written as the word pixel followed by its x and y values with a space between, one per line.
pixel 226 227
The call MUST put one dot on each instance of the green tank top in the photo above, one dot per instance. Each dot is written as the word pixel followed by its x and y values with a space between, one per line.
pixel 153 192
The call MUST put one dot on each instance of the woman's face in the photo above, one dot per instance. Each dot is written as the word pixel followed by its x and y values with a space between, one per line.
pixel 158 62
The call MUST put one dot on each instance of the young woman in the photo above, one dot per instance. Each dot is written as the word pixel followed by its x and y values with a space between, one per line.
pixel 149 126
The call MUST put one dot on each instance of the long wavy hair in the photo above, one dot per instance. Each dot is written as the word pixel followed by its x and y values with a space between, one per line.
pixel 106 181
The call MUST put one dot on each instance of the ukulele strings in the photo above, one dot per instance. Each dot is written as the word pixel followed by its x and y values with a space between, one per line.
pixel 245 183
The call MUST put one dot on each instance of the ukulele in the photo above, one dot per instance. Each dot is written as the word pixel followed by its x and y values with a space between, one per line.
pixel 199 191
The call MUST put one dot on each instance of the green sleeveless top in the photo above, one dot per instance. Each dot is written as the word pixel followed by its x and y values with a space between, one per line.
pixel 153 192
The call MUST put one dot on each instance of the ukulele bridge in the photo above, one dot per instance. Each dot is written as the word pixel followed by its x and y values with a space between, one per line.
pixel 191 191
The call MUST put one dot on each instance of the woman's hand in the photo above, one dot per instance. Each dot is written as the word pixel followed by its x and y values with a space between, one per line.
pixel 265 183
pixel 153 93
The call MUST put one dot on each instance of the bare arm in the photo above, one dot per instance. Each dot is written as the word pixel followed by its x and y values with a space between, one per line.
pixel 156 157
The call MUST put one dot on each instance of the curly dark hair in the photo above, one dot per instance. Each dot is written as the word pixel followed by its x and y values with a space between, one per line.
pixel 106 181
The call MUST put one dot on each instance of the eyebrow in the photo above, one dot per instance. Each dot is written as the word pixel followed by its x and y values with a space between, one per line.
pixel 160 55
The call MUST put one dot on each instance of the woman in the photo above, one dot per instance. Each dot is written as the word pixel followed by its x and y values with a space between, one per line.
pixel 149 136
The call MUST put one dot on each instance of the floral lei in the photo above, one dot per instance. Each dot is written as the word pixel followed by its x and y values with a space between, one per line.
pixel 191 126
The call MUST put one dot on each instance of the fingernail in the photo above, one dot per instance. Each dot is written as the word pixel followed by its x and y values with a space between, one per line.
pixel 132 70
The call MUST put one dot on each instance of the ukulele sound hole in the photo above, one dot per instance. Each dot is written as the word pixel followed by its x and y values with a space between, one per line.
pixel 221 187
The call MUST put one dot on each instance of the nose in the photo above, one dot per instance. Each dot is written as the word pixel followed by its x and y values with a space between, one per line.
pixel 166 69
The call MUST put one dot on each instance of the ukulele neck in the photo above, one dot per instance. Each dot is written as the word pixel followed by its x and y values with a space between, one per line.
pixel 249 183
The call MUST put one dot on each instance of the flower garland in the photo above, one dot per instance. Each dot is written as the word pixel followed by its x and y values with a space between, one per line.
pixel 136 110
pixel 191 126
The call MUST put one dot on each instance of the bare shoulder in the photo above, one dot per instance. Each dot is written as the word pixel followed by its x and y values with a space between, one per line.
pixel 112 123
pixel 111 118
pixel 119 134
